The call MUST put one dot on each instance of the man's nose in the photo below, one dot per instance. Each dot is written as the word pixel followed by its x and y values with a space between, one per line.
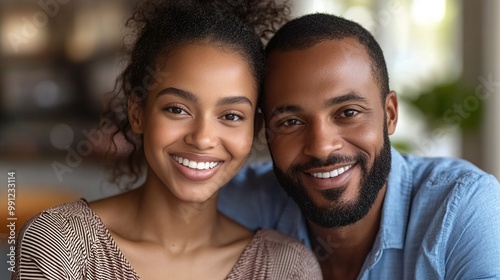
pixel 322 138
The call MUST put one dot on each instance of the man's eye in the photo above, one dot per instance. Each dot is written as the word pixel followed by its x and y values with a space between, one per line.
pixel 348 113
pixel 287 125
pixel 290 122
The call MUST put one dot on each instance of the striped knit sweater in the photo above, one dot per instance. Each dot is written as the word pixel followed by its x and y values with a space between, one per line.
pixel 71 242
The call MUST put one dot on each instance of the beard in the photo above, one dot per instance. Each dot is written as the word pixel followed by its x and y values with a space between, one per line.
pixel 339 213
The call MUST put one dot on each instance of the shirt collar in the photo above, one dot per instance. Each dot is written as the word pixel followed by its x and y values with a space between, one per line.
pixel 395 210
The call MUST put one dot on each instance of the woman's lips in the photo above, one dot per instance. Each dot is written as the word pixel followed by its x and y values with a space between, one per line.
pixel 199 165
pixel 197 168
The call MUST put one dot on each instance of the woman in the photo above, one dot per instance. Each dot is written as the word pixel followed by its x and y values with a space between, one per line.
pixel 190 90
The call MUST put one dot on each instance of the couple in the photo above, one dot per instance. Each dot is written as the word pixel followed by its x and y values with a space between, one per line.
pixel 370 212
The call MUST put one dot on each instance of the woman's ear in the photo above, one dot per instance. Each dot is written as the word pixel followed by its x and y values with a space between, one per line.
pixel 135 115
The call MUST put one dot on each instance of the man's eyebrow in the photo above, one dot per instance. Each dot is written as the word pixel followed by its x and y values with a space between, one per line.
pixel 234 100
pixel 351 96
pixel 178 92
pixel 283 109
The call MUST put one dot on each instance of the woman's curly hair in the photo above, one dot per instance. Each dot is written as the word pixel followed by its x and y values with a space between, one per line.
pixel 157 28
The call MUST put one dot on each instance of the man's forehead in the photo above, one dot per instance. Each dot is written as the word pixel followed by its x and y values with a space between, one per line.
pixel 325 62
pixel 318 73
pixel 345 47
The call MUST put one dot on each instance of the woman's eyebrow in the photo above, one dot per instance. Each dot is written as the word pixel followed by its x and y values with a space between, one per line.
pixel 191 97
pixel 234 100
pixel 178 92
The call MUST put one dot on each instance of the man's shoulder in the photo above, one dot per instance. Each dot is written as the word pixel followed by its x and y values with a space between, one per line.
pixel 446 176
pixel 427 190
pixel 453 217
pixel 443 213
pixel 444 171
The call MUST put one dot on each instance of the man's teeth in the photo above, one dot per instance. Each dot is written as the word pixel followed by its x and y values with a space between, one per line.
pixel 331 174
pixel 195 165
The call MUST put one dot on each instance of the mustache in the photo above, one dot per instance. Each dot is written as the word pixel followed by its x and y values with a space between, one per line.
pixel 332 159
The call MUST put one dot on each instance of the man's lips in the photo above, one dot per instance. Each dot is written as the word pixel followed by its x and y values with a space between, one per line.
pixel 332 173
pixel 328 177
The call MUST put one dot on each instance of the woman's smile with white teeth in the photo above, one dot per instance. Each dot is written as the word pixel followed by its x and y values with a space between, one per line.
pixel 331 174
pixel 194 164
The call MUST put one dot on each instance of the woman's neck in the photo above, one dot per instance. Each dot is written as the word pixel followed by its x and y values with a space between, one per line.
pixel 151 213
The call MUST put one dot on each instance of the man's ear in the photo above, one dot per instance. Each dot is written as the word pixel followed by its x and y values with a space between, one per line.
pixel 259 123
pixel 391 110
pixel 135 114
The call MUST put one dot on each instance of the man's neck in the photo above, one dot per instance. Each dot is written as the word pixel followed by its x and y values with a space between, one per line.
pixel 342 251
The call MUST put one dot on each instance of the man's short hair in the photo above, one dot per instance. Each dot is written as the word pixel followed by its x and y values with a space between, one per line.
pixel 309 30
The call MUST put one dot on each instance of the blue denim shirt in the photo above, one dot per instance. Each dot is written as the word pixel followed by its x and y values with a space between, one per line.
pixel 440 218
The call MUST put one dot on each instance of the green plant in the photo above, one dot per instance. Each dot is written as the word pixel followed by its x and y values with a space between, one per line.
pixel 449 104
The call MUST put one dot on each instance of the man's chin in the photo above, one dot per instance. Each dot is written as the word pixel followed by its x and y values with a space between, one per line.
pixel 332 208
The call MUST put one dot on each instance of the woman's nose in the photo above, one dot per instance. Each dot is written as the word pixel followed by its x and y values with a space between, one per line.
pixel 202 134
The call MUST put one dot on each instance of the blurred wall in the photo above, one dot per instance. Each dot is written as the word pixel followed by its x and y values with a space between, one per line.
pixel 491 82
pixel 57 60
pixel 481 58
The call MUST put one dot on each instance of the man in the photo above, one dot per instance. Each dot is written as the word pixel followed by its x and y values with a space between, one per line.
pixel 370 212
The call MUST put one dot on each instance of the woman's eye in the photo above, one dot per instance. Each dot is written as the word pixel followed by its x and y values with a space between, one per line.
pixel 176 110
pixel 348 113
pixel 232 117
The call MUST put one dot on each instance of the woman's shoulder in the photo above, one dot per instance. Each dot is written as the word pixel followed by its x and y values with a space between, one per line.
pixel 74 218
pixel 68 239
pixel 77 208
pixel 67 211
pixel 276 240
pixel 287 257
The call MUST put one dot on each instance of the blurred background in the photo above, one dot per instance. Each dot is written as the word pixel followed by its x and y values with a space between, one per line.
pixel 58 58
